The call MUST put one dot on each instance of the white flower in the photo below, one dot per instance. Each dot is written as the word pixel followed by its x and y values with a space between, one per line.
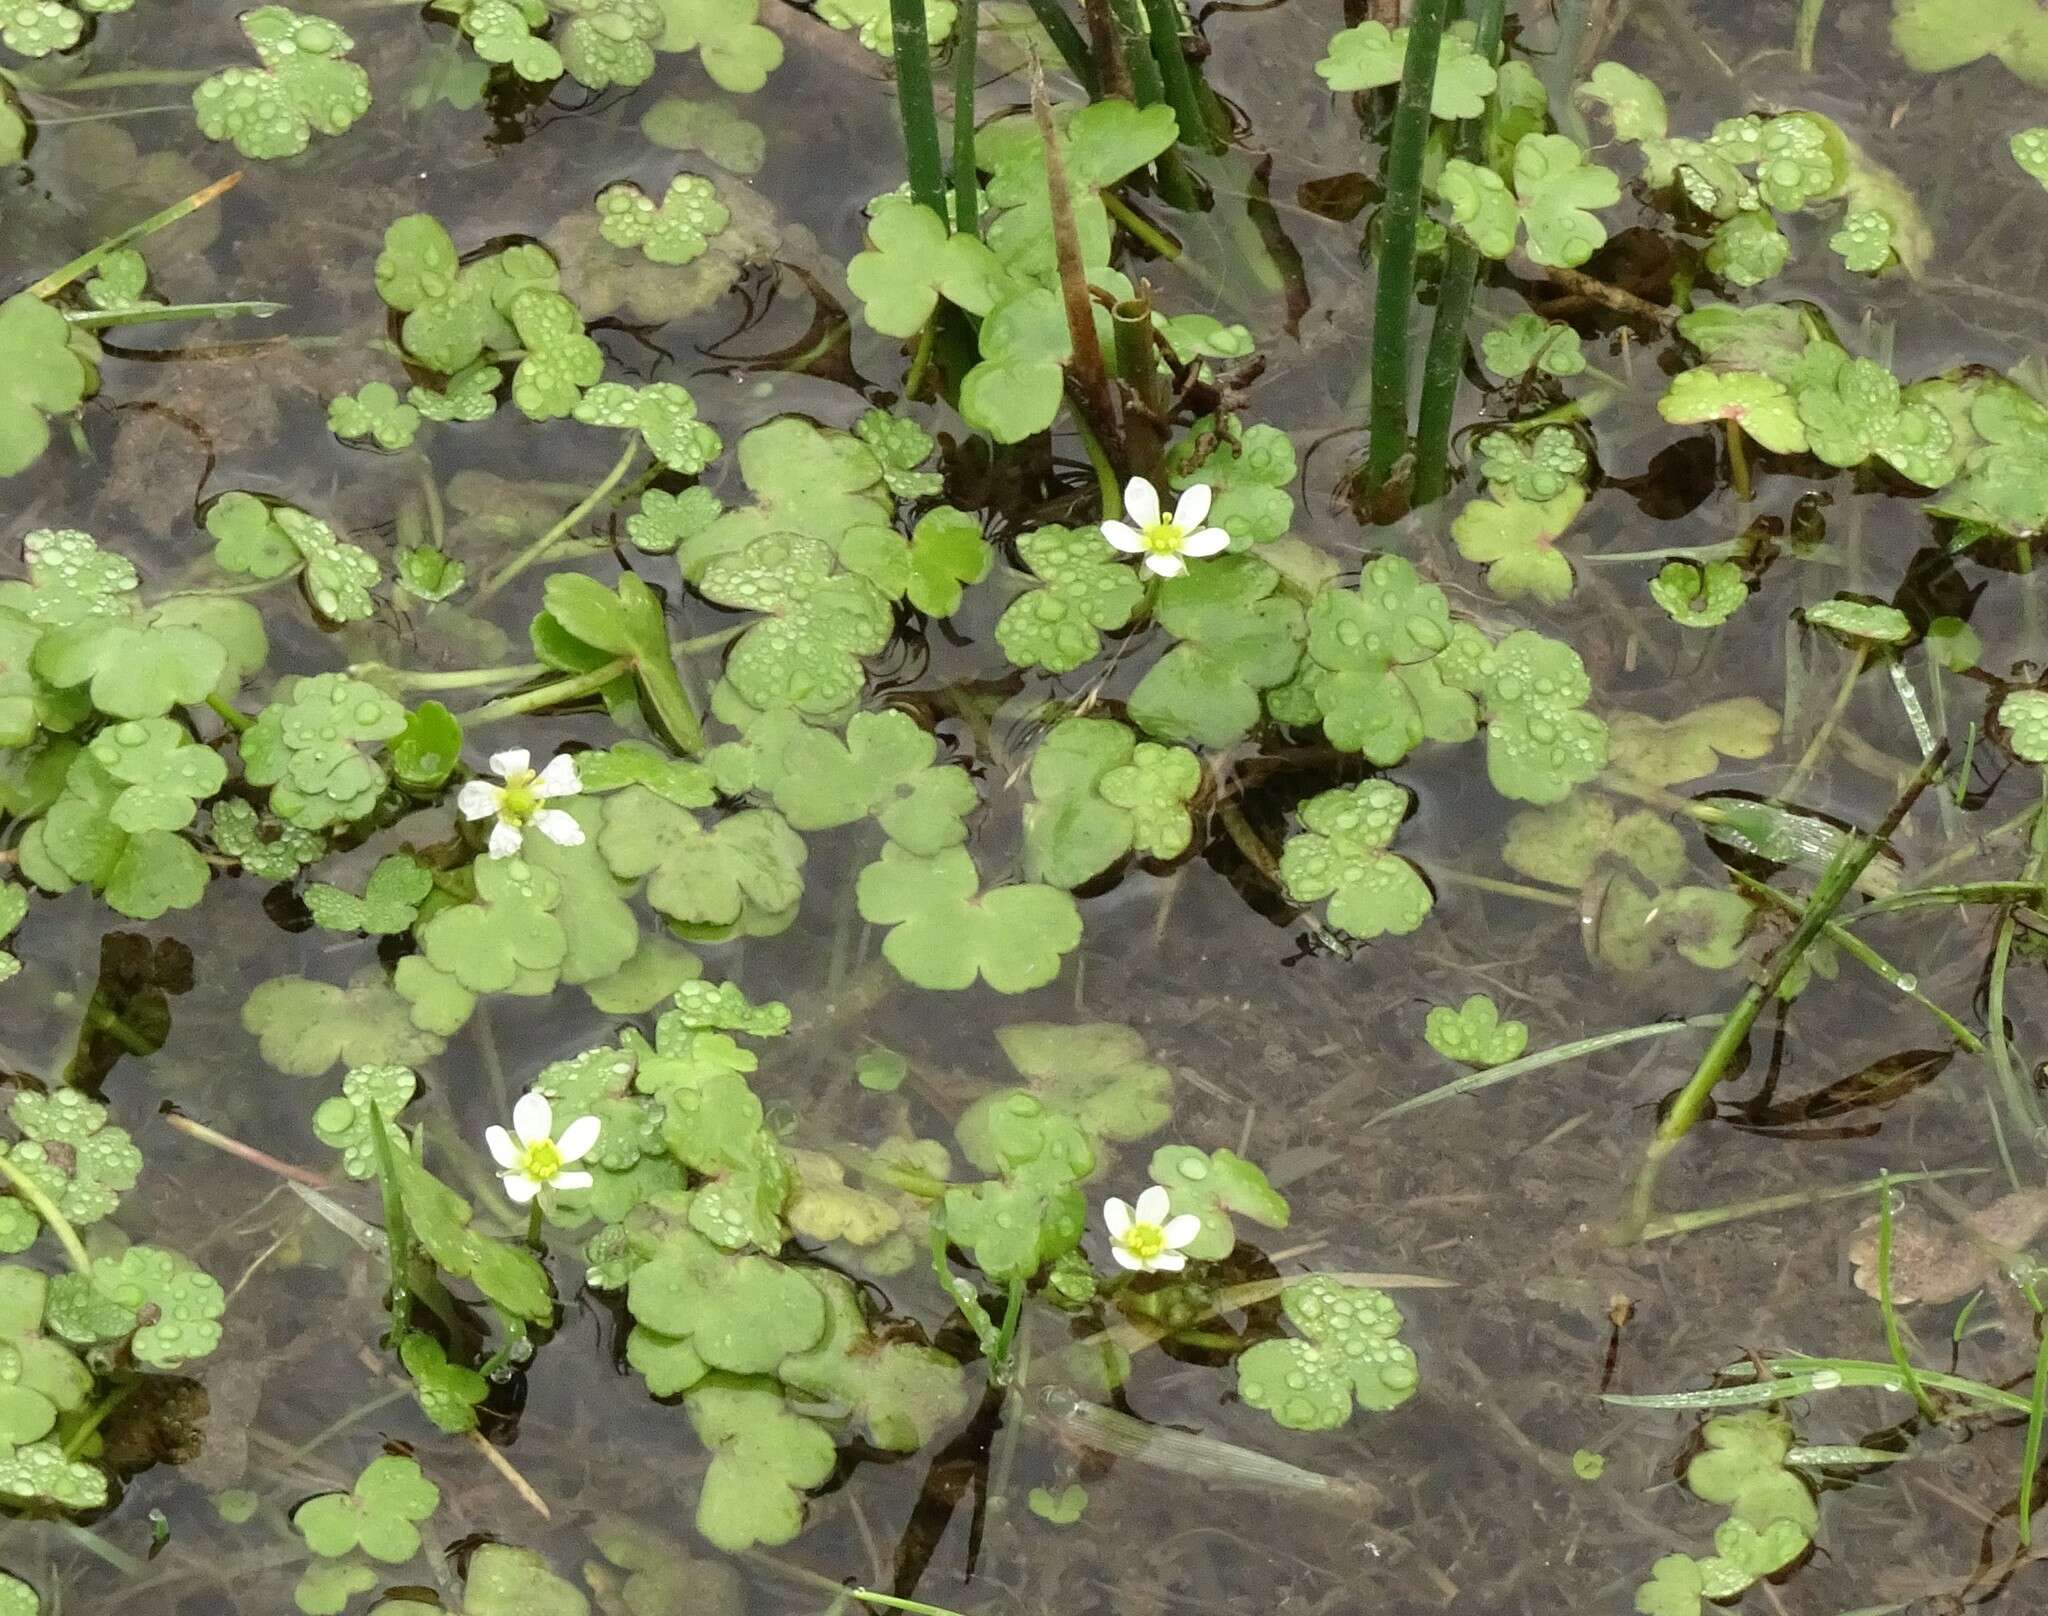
pixel 1163 542
pixel 531 1159
pixel 1147 1239
pixel 518 802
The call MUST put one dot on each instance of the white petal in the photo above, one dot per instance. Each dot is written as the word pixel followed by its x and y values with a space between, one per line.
pixel 1125 1260
pixel 1122 536
pixel 559 827
pixel 1193 508
pixel 503 763
pixel 1206 541
pixel 580 1135
pixel 1141 502
pixel 533 1119
pixel 505 840
pixel 1116 1217
pixel 1167 1262
pixel 1155 1205
pixel 558 779
pixel 1167 566
pixel 519 1188
pixel 1181 1230
pixel 577 1180
pixel 503 1151
pixel 479 799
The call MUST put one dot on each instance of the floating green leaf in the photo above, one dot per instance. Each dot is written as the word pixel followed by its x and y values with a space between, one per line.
pixel 374 411
pixel 1474 1032
pixel 303 86
pixel 344 1121
pixel 1342 855
pixel 1213 1186
pixel 744 872
pixel 1516 541
pixel 885 767
pixel 1349 1348
pixel 305 1027
pixel 1085 589
pixel 380 1515
pixel 306 746
pixel 1530 342
pixel 1239 633
pixel 2024 716
pixel 1535 468
pixel 662 413
pixel 673 231
pixel 1748 249
pixel 944 930
pixel 1761 407
pixel 728 38
pixel 1370 56
pixel 817 624
pixel 763 1458
pixel 1634 105
pixel 912 260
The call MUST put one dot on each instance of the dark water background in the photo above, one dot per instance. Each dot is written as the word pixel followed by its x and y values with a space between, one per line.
pixel 1282 1053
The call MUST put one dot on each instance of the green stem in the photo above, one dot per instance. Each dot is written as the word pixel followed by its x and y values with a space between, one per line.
pixel 2037 1410
pixel 1395 294
pixel 1860 951
pixel 1111 494
pixel 573 688
pixel 1691 1103
pixel 1508 889
pixel 228 715
pixel 1807 759
pixel 1678 1223
pixel 46 1209
pixel 966 190
pixel 85 263
pixel 165 313
pixel 547 541
pixel 2020 1097
pixel 390 678
pixel 915 108
pixel 1177 82
pixel 1803 37
pixel 1067 40
pixel 1443 366
pixel 1894 1338
pixel 126 79
pixel 1738 463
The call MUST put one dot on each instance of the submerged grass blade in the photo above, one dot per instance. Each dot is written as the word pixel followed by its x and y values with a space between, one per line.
pixel 1679 1223
pixel 916 111
pixel 164 313
pixel 1472 1082
pixel 85 263
pixel 1894 1337
pixel 1692 1100
pixel 966 189
pixel 2030 1457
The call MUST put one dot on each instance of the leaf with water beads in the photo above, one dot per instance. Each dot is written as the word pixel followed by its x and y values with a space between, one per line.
pixel 1349 1348
pixel 338 576
pixel 1240 633
pixel 119 284
pixel 1213 1186
pixel 2023 714
pixel 608 42
pixel 1634 105
pixel 142 875
pixel 1251 470
pixel 502 33
pixel 673 231
pixel 380 1515
pixel 40 1377
pixel 817 623
pixel 374 411
pixel 1016 390
pixel 41 1473
pixel 806 480
pixel 560 359
pixel 871 20
pixel 306 746
pixel 13 910
pixel 1540 740
pixel 1342 855
pixel 1084 590
pixel 1699 594
pixel 664 415
pixel 1864 241
pixel 1846 406
pixel 1748 249
pixel 179 1304
pixel 1555 190
pixel 269 850
pixel 1534 468
pixel 471 395
pixel 1860 622
pixel 344 1121
pixel 1013 1226
pixel 1387 666
pixel 1370 56
pixel 1530 342
pixel 1474 1033
pixel 667 520
pixel 303 86
pixel 166 773
pixel 74 1155
pixel 504 1581
pixel 1480 204
pixel 900 446
pixel 448 1393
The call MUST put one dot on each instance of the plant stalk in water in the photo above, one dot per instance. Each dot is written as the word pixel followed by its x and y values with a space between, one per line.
pixel 966 191
pixel 1395 295
pixel 1086 370
pixel 1443 366
pixel 915 108
pixel 1692 1101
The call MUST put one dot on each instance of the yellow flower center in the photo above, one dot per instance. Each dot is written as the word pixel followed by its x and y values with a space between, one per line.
pixel 1161 537
pixel 1144 1241
pixel 520 801
pixel 541 1161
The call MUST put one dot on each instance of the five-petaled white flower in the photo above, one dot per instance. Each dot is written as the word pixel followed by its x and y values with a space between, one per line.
pixel 1164 542
pixel 1147 1239
pixel 520 801
pixel 531 1159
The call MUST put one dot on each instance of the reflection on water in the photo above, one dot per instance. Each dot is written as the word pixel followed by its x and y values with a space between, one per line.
pixel 1466 1498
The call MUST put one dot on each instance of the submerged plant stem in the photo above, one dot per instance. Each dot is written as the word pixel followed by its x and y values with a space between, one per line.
pixel 576 513
pixel 1067 40
pixel 1395 296
pixel 85 263
pixel 915 108
pixel 46 1209
pixel 574 688
pixel 1692 1100
pixel 966 191
pixel 1443 365
pixel 1894 1338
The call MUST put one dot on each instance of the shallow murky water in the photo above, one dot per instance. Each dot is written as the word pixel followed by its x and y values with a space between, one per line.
pixel 1281 1050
